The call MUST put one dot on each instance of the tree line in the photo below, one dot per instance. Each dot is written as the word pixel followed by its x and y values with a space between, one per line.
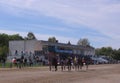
pixel 108 51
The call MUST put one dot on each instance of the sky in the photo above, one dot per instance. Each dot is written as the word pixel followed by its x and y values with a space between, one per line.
pixel 67 20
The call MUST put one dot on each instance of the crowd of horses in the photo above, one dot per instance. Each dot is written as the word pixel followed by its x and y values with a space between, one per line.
pixel 69 63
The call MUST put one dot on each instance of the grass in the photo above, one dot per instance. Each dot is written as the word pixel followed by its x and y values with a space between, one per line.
pixel 9 65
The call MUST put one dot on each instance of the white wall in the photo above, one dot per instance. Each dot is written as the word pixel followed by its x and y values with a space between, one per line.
pixel 25 46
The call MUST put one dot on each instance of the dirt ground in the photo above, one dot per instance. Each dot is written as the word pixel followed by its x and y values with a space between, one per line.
pixel 95 74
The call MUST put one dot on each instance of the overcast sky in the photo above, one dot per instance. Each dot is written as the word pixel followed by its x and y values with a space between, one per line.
pixel 67 20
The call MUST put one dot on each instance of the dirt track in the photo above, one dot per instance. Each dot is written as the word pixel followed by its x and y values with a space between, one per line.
pixel 95 74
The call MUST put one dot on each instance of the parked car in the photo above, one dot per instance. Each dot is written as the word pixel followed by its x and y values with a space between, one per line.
pixel 99 60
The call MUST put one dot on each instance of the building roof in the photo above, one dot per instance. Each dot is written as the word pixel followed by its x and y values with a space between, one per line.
pixel 66 45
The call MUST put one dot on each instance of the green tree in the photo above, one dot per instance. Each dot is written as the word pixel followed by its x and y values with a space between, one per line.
pixel 116 54
pixel 52 39
pixel 15 37
pixel 107 51
pixel 69 43
pixel 4 42
pixel 83 42
pixel 31 36
pixel 4 38
pixel 3 51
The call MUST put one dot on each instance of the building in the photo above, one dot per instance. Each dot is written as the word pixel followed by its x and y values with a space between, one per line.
pixel 40 47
